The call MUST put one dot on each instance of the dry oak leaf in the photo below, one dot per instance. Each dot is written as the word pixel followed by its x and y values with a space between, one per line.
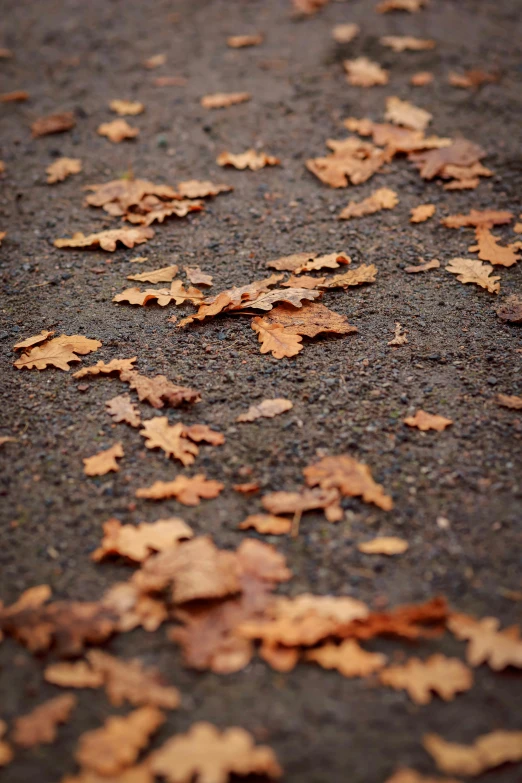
pixel 350 477
pixel 126 193
pixel 348 658
pixel 266 409
pixel 291 263
pixel 155 61
pixel 352 160
pixel 310 320
pixel 344 33
pixel 248 488
pixel 488 644
pixel 133 608
pixel 103 368
pixel 187 490
pixel 445 676
pixel 421 78
pixel 303 281
pixel 395 138
pixel 422 213
pixel 240 41
pixel 53 123
pixel 262 561
pixel 306 500
pixel 469 270
pixel 488 249
pixel 30 341
pixel 115 746
pixel 399 335
pixel 73 675
pixel 386 545
pixel 196 276
pixel 138 542
pixel 471 79
pixel 159 434
pixel 104 461
pixel 434 161
pixel 363 72
pixel 510 401
pixel 409 622
pixel 428 421
pixel 158 391
pixel 117 130
pixel 122 409
pixel 130 681
pixel 16 96
pixel 511 309
pixel 267 524
pixel 363 274
pixel 477 218
pixel 330 261
pixel 424 267
pixel 163 296
pixel 207 755
pixel 124 108
pixel 403 775
pixel 58 352
pixel 164 275
pixel 6 753
pixel 220 100
pixel 247 160
pixel 488 751
pixel 406 114
pixel 107 240
pixel 266 299
pixel 402 43
pixel 380 199
pixel 200 432
pixel 195 188
pixel 40 725
pixel 412 6
pixel 276 339
pixel 151 209
pixel 62 168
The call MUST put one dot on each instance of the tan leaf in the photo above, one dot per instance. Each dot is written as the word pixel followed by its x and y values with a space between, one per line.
pixel 305 500
pixel 384 546
pixel 462 184
pixel 159 434
pixel 402 43
pixel 130 681
pixel 126 193
pixel 200 432
pixel 16 96
pixel 488 249
pixel 483 219
pixel 201 189
pixel 58 352
pixel 399 139
pixel 469 270
pixel 400 5
pixel 248 488
pixel 344 33
pixel 117 130
pixel 187 490
pixel 266 409
pixel 433 162
pixel 352 161
pixel 465 172
pixel 151 209
pixel 363 274
pixel 209 755
pixel 196 276
pixel 40 725
pixel 330 261
pixel 266 300
pixel 221 100
pixel 267 524
pixel 487 643
pixel 399 336
pixel 280 658
pixel 107 240
pixel 422 213
pixel 250 159
pixel 487 752
pixel 350 477
pixel 138 542
pixel 291 263
pixel 115 365
pixel 276 339
pixel 445 676
pixel 471 79
pixel 53 123
pixel 240 41
pixel 309 320
pixel 122 408
pixel 133 608
pixel 424 267
pixel 363 72
pixel 348 658
pixel 510 309
pixel 159 391
pixel 404 113
pixel 6 753
pixel 116 745
pixel 380 199
pixel 155 61
pixel 404 775
pixel 30 341
pixel 304 281
pixel 124 108
pixel 428 421
pixel 134 296
pixel 73 675
pixel 103 462
pixel 62 168
pixel 164 275
pixel 510 401
pixel 421 78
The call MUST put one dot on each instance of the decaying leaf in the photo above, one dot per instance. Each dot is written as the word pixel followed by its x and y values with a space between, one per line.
pixel 208 755
pixel 196 276
pixel 380 199
pixel 122 409
pixel 194 188
pixel 103 462
pixel 267 524
pixel 107 240
pixel 348 658
pixel 159 391
pixel 409 622
pixel 137 542
pixel 187 490
pixel 130 681
pixel 470 270
pixel 62 168
pixel 488 249
pixel 422 213
pixel 58 352
pixel 35 340
pixel 510 401
pixel 402 43
pixel 445 676
pixel 487 752
pixel 266 409
pixel 247 160
pixel 385 545
pixel 291 263
pixel 6 752
pixel 366 273
pixel 277 340
pixel 406 114
pixel 421 78
pixel 53 123
pixel 15 96
pixel 424 267
pixel 310 320
pixel 428 421
pixel 487 643
pixel 164 275
pixel 472 79
pixel 221 100
pixel 163 296
pixel 117 131
pixel 510 309
pixel 240 41
pixel 400 5
pixel 350 477
pixel 399 335
pixel 40 725
pixel 433 162
pixel 344 33
pixel 105 368
pixel 124 108
pixel 479 219
pixel 363 72
pixel 118 196
pixel 303 281
pixel 352 160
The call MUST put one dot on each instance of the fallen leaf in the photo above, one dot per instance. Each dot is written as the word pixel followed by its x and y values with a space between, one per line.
pixel 133 608
pixel 479 219
pixel 240 41
pixel 130 681
pixel 250 159
pixel 103 368
pixel 265 300
pixel 276 339
pixel 159 434
pixel 201 189
pixel 62 168
pixel 187 490
pixel 170 81
pixel 402 43
pixel 196 276
pixel 445 676
pixel 164 275
pixel 306 500
pixel 384 546
pixel 352 160
pixel 405 775
pixel 291 263
pixel 363 274
pixel 344 33
pixel 248 488
pixel 488 249
pixel 471 79
pixel 159 391
pixel 117 130
pixel 330 261
pixel 58 352
pixel 309 320
pixel 422 213
pixel 487 752
pixel 6 753
pixel 138 542
pixel 3 235
pixel 471 271
pixel 151 208
pixel 122 409
pixel 104 461
pixel 304 281
pixel 209 755
pixel 406 114
pixel 40 725
pixel 348 658
pixel 308 7
pixel 510 309
pixel 7 439
pixel 163 296
pixel 380 199
pixel 350 477
pixel 155 61
pixel 487 643
pixel 124 108
pixel 73 675
pixel 363 72
pixel 107 240
pixel 266 409
pixel 428 421
pixel 5 54
pixel 409 622
pixel 53 123
pixel 400 335
pixel 510 401
pixel 30 341
pixel 16 96
pixel 220 100
pixel 421 78
pixel 200 432
pixel 267 524
pixel 120 195
pixel 424 267
pixel 412 6
pixel 398 139
pixel 434 161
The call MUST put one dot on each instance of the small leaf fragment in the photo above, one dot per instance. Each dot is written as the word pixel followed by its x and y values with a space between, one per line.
pixel 266 409
pixel 385 545
pixel 428 421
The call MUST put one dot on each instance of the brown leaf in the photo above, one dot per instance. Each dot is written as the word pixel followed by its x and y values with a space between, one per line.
pixel 308 7
pixel 124 108
pixel 107 240
pixel 363 274
pixel 445 676
pixel 411 6
pixel 62 168
pixel 266 300
pixel 409 622
pixel 470 270
pixel 159 434
pixel 73 675
pixel 487 643
pixel 406 114
pixel 164 275
pixel 460 153
pixel 422 213
pixel 309 320
pixel 7 439
pixel 306 500
pixel 479 219
pixel 266 409
pixel 159 391
pixel 352 161
pixel 510 309
pixel 380 199
pixel 201 189
pixel 53 123
pixel 16 96
pixel 119 195
pixel 344 33
pixel 363 72
pixel 428 421
pixel 6 753
pixel 122 408
pixel 267 524
pixel 220 100
pixel 262 561
pixel 58 352
pixel 30 341
pixel 133 608
pixel 510 401
pixel 130 681
pixel 138 542
pixel 207 754
pixel 276 339
pixel 402 43
pixel 248 488
pixel 400 335
pixel 348 658
pixel 116 745
pixel 291 263
pixel 350 477
pixel 200 432
pixel 384 546
pixel 405 775
pixel 196 276
pixel 487 752
pixel 247 160
pixel 104 461
pixel 155 61
pixel 240 41
pixel 488 249
pixel 424 267
pixel 421 78
pixel 40 725
pixel 117 130
pixel 330 261
pixel 187 490
pixel 471 79
pixel 115 365
pixel 303 281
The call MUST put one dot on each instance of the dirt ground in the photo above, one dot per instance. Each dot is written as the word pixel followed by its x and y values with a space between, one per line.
pixel 350 393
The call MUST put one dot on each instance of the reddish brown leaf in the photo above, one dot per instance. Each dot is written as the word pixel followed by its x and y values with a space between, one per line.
pixel 186 489
pixel 159 391
pixel 488 249
pixel 40 725
pixel 53 123
pixel 104 461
